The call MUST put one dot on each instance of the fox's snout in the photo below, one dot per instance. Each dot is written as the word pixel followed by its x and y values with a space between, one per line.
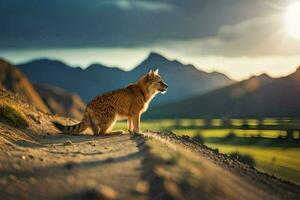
pixel 165 85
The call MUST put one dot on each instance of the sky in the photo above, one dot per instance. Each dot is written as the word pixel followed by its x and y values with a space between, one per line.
pixel 240 38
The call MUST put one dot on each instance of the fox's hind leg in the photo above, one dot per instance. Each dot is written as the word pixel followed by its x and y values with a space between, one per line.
pixel 95 128
pixel 106 122
pixel 106 127
pixel 93 124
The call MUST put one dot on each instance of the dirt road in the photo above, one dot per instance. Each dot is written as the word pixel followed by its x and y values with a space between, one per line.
pixel 150 166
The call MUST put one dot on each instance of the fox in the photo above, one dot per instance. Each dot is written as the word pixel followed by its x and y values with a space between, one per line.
pixel 129 103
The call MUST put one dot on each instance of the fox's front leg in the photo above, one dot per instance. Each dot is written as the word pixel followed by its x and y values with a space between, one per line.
pixel 130 124
pixel 136 123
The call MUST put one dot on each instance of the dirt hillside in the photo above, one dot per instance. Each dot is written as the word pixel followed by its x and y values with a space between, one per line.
pixel 61 102
pixel 12 79
pixel 36 162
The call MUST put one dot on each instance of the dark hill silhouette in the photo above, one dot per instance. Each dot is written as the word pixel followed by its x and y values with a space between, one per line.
pixel 260 96
pixel 184 80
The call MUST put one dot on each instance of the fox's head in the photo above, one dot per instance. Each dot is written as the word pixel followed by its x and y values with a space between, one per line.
pixel 154 82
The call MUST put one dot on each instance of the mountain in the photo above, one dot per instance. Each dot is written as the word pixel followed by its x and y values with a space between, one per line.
pixel 45 97
pixel 12 79
pixel 87 83
pixel 184 80
pixel 61 102
pixel 260 96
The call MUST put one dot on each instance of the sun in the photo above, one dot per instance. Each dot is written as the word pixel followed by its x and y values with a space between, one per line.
pixel 292 20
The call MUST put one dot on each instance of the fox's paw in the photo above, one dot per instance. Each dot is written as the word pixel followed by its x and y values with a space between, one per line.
pixel 137 133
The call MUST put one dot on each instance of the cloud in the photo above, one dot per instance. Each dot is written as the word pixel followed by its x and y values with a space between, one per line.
pixel 139 4
pixel 116 23
pixel 255 37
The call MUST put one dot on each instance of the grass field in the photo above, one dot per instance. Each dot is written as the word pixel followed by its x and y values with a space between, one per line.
pixel 280 161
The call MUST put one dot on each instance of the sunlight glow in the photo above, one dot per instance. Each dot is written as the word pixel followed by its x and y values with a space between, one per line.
pixel 292 20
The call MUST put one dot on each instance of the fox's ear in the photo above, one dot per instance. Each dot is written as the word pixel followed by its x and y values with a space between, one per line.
pixel 150 75
pixel 156 72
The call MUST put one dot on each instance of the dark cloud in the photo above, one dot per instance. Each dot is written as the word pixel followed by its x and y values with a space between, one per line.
pixel 109 23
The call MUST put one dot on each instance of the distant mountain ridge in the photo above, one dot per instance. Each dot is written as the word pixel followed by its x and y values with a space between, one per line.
pixel 184 80
pixel 259 96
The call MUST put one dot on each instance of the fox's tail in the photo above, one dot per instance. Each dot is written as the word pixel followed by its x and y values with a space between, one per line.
pixel 76 128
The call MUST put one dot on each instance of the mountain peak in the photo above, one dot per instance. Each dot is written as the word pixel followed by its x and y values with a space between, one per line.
pixel 264 76
pixel 155 56
pixel 153 60
pixel 95 66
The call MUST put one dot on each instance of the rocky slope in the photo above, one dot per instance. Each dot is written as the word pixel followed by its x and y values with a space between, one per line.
pixel 12 79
